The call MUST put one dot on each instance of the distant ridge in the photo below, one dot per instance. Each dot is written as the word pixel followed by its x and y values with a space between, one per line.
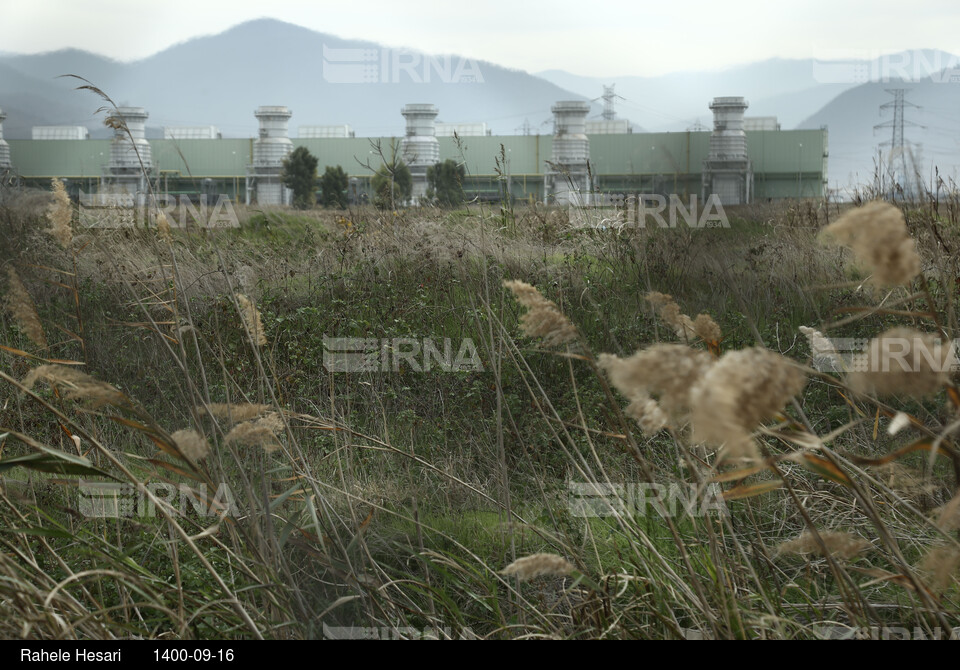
pixel 273 62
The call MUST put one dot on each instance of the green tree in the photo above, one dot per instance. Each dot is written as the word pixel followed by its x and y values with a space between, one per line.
pixel 392 184
pixel 333 187
pixel 300 176
pixel 445 183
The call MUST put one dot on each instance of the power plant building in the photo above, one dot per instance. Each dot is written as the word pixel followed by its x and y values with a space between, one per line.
pixel 734 161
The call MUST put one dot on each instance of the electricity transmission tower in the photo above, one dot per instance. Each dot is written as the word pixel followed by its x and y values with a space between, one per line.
pixel 609 103
pixel 609 98
pixel 901 169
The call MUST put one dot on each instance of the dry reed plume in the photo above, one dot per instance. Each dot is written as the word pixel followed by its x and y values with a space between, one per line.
pixel 839 544
pixel 235 413
pixel 877 234
pixel 739 392
pixel 24 311
pixel 191 444
pixel 667 371
pixel 259 433
pixel 163 228
pixel 949 515
pixel 648 414
pixel 939 566
pixel 681 324
pixel 906 481
pixel 539 565
pixel 60 215
pixel 252 321
pixel 77 385
pixel 685 328
pixel 543 319
pixel 902 361
pixel 707 329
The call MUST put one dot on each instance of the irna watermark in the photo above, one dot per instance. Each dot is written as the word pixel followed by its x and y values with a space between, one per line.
pixel 895 354
pixel 619 210
pixel 116 500
pixel 124 210
pixel 590 499
pixel 885 633
pixel 396 66
pixel 396 354
pixel 394 633
pixel 859 66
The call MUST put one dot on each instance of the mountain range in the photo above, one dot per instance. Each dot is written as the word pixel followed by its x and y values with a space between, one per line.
pixel 326 80
pixel 221 79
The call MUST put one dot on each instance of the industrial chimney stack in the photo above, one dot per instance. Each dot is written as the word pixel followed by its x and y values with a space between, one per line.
pixel 4 147
pixel 567 177
pixel 727 172
pixel 131 159
pixel 269 151
pixel 420 149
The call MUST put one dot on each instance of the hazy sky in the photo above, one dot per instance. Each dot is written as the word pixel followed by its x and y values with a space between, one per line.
pixel 611 38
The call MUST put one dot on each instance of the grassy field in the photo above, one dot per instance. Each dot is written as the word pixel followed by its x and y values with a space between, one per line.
pixel 272 496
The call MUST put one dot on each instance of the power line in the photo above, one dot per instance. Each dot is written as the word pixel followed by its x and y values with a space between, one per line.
pixel 650 110
pixel 526 128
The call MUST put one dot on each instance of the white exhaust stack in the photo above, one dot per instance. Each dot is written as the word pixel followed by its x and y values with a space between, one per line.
pixel 420 149
pixel 131 159
pixel 726 171
pixel 567 176
pixel 269 151
pixel 4 147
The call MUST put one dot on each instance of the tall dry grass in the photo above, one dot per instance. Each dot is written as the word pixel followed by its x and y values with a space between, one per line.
pixel 348 513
